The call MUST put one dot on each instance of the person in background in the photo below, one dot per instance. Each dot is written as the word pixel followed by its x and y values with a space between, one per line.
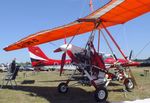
pixel 13 66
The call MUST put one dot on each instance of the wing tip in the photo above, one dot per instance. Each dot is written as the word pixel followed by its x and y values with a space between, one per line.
pixel 6 49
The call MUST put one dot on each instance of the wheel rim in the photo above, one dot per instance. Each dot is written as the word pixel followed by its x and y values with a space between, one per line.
pixel 101 94
pixel 130 84
pixel 63 88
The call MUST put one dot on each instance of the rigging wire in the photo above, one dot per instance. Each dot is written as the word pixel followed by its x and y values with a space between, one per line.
pixel 108 45
pixel 82 10
pixel 113 40
pixel 125 38
pixel 142 49
pixel 81 13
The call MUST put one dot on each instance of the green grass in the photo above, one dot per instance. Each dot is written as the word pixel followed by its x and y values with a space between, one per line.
pixel 43 89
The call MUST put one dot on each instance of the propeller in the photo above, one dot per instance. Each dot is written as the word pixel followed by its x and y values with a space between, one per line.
pixel 130 55
pixel 63 59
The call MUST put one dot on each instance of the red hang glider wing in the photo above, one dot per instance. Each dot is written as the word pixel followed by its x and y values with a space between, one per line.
pixel 113 13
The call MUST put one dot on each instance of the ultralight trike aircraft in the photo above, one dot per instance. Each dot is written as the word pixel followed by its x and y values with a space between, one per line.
pixel 88 60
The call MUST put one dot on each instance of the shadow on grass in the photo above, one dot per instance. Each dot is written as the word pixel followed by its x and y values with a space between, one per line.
pixel 114 84
pixel 28 82
pixel 74 95
pixel 116 90
pixel 54 81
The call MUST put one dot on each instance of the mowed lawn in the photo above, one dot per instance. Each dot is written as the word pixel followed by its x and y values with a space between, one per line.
pixel 42 88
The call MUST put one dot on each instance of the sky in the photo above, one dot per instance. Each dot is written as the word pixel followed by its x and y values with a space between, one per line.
pixel 20 18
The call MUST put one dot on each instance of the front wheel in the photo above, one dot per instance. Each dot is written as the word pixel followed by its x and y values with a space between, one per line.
pixel 62 88
pixel 101 94
pixel 129 84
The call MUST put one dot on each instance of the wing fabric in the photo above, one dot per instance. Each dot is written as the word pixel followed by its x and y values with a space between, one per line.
pixel 113 13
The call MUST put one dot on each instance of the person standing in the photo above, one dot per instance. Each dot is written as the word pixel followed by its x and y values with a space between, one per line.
pixel 13 66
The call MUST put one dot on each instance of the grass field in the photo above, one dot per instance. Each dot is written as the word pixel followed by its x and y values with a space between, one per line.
pixel 42 88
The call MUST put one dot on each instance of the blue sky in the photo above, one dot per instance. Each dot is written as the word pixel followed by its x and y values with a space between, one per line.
pixel 19 18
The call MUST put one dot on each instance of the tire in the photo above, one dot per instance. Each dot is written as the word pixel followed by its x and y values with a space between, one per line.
pixel 129 84
pixel 101 94
pixel 62 88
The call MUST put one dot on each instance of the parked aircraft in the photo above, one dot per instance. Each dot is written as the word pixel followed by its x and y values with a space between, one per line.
pixel 88 61
pixel 3 68
pixel 38 58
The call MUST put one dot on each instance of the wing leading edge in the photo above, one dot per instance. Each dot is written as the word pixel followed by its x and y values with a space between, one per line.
pixel 113 13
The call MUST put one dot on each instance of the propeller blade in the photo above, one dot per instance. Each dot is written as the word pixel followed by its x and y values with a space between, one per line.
pixel 62 62
pixel 57 50
pixel 130 56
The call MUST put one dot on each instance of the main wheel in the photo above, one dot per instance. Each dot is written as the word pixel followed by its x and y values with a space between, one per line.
pixel 62 88
pixel 101 94
pixel 129 84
